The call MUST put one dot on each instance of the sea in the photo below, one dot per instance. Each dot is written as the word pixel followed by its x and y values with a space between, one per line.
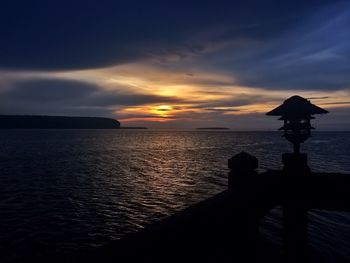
pixel 67 191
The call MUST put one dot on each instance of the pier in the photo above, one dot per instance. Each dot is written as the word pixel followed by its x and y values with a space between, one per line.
pixel 225 227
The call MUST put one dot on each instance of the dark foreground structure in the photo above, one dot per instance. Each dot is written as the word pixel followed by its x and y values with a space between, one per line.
pixel 225 228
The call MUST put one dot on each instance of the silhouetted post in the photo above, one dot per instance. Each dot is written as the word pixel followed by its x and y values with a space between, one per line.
pixel 295 211
pixel 242 168
pixel 244 226
pixel 296 113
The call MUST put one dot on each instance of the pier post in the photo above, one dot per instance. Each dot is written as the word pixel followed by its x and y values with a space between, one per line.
pixel 295 214
pixel 243 226
pixel 242 168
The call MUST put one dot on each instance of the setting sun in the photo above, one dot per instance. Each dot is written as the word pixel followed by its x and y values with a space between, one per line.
pixel 162 110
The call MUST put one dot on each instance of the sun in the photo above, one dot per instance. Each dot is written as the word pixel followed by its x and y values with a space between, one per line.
pixel 162 110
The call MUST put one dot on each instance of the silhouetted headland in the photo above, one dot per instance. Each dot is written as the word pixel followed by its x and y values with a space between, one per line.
pixel 213 128
pixel 56 122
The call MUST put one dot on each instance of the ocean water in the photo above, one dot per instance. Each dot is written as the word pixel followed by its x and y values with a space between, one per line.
pixel 65 191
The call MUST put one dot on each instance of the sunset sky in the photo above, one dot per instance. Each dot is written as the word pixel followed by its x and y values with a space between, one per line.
pixel 175 64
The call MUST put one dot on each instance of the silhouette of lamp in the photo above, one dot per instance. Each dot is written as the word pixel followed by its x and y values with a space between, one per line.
pixel 296 112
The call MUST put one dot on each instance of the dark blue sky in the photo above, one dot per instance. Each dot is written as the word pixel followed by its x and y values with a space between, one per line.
pixel 129 59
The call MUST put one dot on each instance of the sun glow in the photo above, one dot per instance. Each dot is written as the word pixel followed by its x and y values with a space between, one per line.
pixel 162 110
pixel 184 96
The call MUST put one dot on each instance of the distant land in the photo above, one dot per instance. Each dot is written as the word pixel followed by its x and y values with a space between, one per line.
pixel 58 122
pixel 133 128
pixel 213 128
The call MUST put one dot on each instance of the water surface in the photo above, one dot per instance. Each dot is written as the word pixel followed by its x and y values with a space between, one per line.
pixel 63 191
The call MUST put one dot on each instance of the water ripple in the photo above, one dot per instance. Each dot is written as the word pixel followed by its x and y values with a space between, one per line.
pixel 63 191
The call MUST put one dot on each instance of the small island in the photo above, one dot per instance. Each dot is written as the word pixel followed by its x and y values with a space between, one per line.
pixel 133 128
pixel 213 128
pixel 56 122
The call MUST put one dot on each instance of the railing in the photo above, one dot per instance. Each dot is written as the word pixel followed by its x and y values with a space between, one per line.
pixel 224 228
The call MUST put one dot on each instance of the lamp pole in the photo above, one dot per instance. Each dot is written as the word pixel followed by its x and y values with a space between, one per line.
pixel 296 113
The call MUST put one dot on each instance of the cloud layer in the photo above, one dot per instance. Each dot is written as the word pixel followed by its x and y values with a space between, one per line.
pixel 66 34
pixel 173 63
pixel 62 97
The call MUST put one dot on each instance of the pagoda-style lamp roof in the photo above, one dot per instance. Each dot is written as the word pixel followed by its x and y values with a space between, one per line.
pixel 296 106
pixel 296 112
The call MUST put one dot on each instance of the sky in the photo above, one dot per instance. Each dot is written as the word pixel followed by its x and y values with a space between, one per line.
pixel 175 64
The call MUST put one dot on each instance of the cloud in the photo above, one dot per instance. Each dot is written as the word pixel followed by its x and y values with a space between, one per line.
pixel 221 109
pixel 312 55
pixel 235 101
pixel 337 103
pixel 48 91
pixel 211 61
pixel 51 35
pixel 55 96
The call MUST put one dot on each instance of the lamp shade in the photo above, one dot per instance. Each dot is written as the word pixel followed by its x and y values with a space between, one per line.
pixel 296 106
pixel 296 112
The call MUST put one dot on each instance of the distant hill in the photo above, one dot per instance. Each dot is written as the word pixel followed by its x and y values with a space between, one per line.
pixel 56 122
pixel 213 128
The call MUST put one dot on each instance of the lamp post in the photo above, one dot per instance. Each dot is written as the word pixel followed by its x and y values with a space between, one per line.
pixel 296 112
